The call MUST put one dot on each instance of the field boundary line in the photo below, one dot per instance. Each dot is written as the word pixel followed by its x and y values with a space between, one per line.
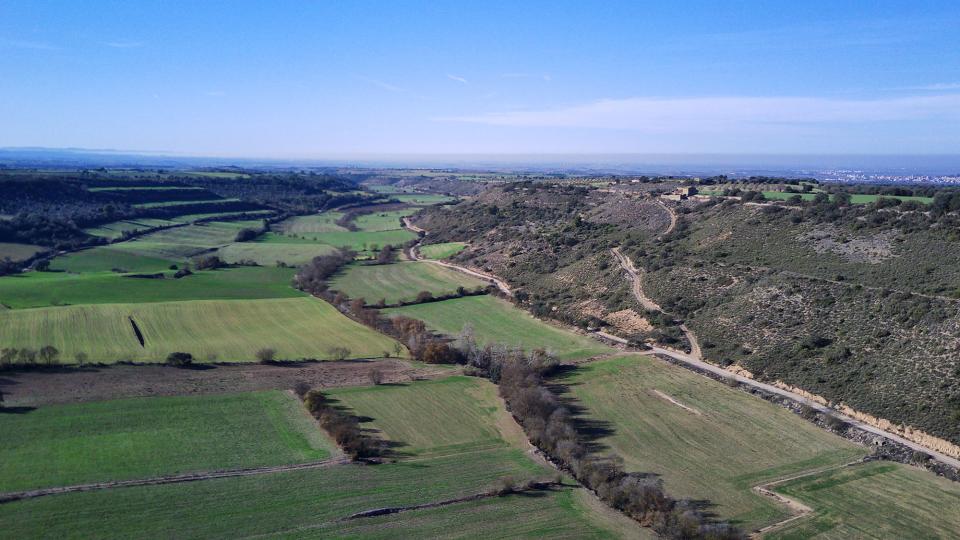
pixel 802 510
pixel 173 479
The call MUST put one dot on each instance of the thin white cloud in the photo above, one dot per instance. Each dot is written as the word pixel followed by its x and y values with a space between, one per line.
pixel 456 78
pixel 35 45
pixel 215 93
pixel 935 87
pixel 124 44
pixel 542 76
pixel 384 85
pixel 725 114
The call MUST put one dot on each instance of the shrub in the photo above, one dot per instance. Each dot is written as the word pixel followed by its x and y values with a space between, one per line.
pixel 376 376
pixel 266 355
pixel 246 235
pixel 301 389
pixel 210 262
pixel 179 359
pixel 339 353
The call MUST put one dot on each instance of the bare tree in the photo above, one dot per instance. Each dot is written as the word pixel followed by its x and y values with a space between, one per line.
pixel 339 353
pixel 376 376
pixel 266 355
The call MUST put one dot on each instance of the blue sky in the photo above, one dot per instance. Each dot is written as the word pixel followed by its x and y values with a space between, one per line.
pixel 319 79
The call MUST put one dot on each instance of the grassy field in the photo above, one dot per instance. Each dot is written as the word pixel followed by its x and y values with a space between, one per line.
pixel 165 204
pixel 106 258
pixel 325 222
pixel 442 251
pixel 399 281
pixel 422 198
pixel 727 444
pixel 62 445
pixel 19 252
pixel 221 330
pixel 190 218
pixel 382 221
pixel 184 242
pixel 295 504
pixel 462 412
pixel 496 321
pixel 361 241
pixel 874 500
pixel 43 289
pixel 467 449
pixel 116 229
pixel 268 253
pixel 144 188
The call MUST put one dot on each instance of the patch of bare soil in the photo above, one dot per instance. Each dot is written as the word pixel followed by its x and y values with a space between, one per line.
pixel 872 249
pixel 665 397
pixel 629 321
pixel 72 385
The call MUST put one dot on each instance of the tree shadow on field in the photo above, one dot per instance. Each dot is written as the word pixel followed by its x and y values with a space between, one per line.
pixel 16 410
pixel 590 430
pixel 392 448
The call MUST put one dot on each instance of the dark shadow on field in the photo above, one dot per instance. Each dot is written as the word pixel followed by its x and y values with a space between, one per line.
pixel 16 410
pixel 13 369
pixel 392 447
pixel 198 367
pixel 590 430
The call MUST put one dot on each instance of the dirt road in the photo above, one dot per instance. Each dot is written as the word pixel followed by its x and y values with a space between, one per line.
pixel 415 255
pixel 694 358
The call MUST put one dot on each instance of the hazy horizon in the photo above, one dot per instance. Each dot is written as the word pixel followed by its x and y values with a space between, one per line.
pixel 291 80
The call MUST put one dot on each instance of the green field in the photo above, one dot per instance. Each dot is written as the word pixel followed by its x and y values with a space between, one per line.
pixel 422 198
pixel 62 445
pixel 106 258
pixel 361 241
pixel 442 251
pixel 144 188
pixel 190 218
pixel 43 289
pixel 463 413
pixel 165 204
pixel 399 281
pixel 382 221
pixel 116 229
pixel 497 321
pixel 19 252
pixel 268 253
pixel 874 500
pixel 294 504
pixel 181 243
pixel 466 450
pixel 221 330
pixel 325 222
pixel 732 442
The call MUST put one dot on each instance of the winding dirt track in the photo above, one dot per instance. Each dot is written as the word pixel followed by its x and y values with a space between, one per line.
pixel 695 359
pixel 415 255
pixel 175 479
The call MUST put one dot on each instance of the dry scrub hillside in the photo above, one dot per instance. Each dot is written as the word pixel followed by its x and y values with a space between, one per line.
pixel 852 302
pixel 859 314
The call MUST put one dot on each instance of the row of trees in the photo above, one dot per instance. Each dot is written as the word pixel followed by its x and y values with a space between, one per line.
pixel 550 426
pixel 343 427
pixel 45 356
